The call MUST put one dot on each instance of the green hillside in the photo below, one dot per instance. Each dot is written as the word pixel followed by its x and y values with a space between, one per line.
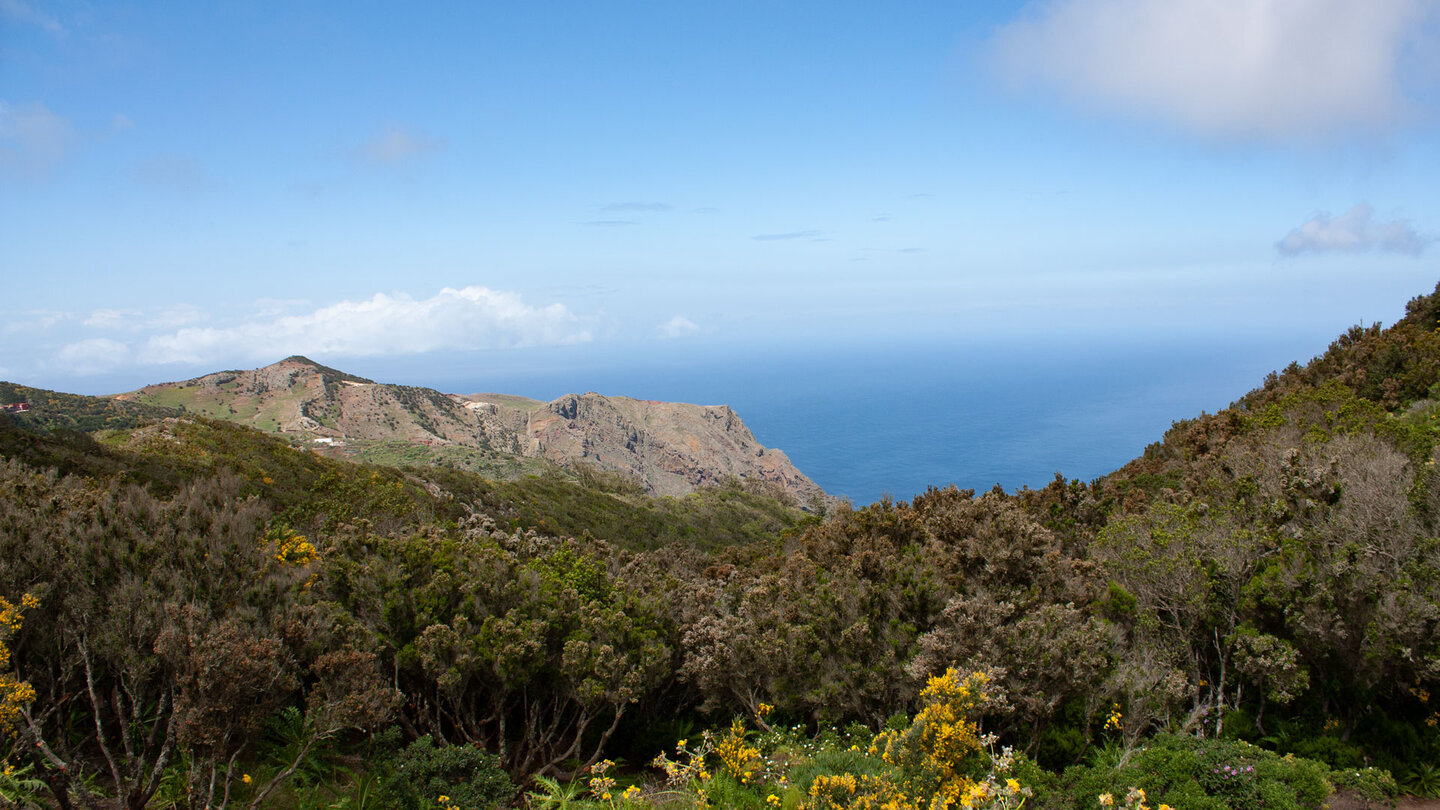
pixel 1247 615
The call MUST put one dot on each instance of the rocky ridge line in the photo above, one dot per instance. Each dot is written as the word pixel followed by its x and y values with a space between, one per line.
pixel 669 448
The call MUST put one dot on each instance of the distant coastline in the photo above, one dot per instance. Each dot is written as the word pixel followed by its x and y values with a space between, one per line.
pixel 900 419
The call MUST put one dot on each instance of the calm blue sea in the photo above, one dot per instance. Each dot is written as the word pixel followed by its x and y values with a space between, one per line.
pixel 866 421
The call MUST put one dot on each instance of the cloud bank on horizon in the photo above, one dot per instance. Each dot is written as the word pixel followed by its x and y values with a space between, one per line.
pixel 471 318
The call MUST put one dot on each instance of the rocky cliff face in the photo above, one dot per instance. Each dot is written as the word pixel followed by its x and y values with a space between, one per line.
pixel 670 448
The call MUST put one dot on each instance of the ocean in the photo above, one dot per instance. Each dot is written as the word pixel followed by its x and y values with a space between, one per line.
pixel 872 421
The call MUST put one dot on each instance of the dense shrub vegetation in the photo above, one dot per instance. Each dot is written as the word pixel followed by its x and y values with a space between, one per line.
pixel 196 615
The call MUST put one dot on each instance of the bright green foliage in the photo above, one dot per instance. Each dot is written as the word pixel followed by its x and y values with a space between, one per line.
pixel 467 775
pixel 1210 774
pixel 1372 784
pixel 1421 779
pixel 19 787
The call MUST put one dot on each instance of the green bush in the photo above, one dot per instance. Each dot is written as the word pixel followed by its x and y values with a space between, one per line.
pixel 833 762
pixel 1422 779
pixel 422 773
pixel 723 791
pixel 1204 774
pixel 1044 785
pixel 1332 751
pixel 1375 785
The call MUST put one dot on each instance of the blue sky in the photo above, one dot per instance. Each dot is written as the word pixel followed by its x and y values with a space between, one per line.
pixel 192 186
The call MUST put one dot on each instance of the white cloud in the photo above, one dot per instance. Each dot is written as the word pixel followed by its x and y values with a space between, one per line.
pixel 466 319
pixel 678 327
pixel 134 321
pixel 1354 230
pixel 93 355
pixel 394 145
pixel 1274 69
pixel 33 140
pixel 37 320
pixel 110 318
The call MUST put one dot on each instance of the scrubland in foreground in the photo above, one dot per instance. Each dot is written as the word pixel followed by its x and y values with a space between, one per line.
pixel 1248 615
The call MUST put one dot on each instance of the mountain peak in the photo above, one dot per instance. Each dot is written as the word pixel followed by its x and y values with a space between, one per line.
pixel 302 360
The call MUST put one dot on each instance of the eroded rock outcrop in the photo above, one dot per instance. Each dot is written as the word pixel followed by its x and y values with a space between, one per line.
pixel 669 448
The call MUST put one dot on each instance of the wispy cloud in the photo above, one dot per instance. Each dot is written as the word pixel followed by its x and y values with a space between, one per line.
pixel 35 320
pixel 678 327
pixel 1271 69
pixel 776 237
pixel 176 174
pixel 394 145
pixel 638 206
pixel 130 320
pixel 1353 231
pixel 34 141
pixel 611 223
pixel 268 307
pixel 23 12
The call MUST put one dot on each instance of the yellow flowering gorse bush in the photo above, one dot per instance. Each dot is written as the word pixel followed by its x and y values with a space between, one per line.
pixel 935 762
pixel 294 549
pixel 738 756
pixel 15 694
pixel 1134 800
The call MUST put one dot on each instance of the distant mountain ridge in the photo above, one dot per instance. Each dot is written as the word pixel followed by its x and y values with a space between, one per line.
pixel 669 448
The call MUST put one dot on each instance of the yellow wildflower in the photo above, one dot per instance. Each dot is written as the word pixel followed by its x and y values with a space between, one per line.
pixel 1113 722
